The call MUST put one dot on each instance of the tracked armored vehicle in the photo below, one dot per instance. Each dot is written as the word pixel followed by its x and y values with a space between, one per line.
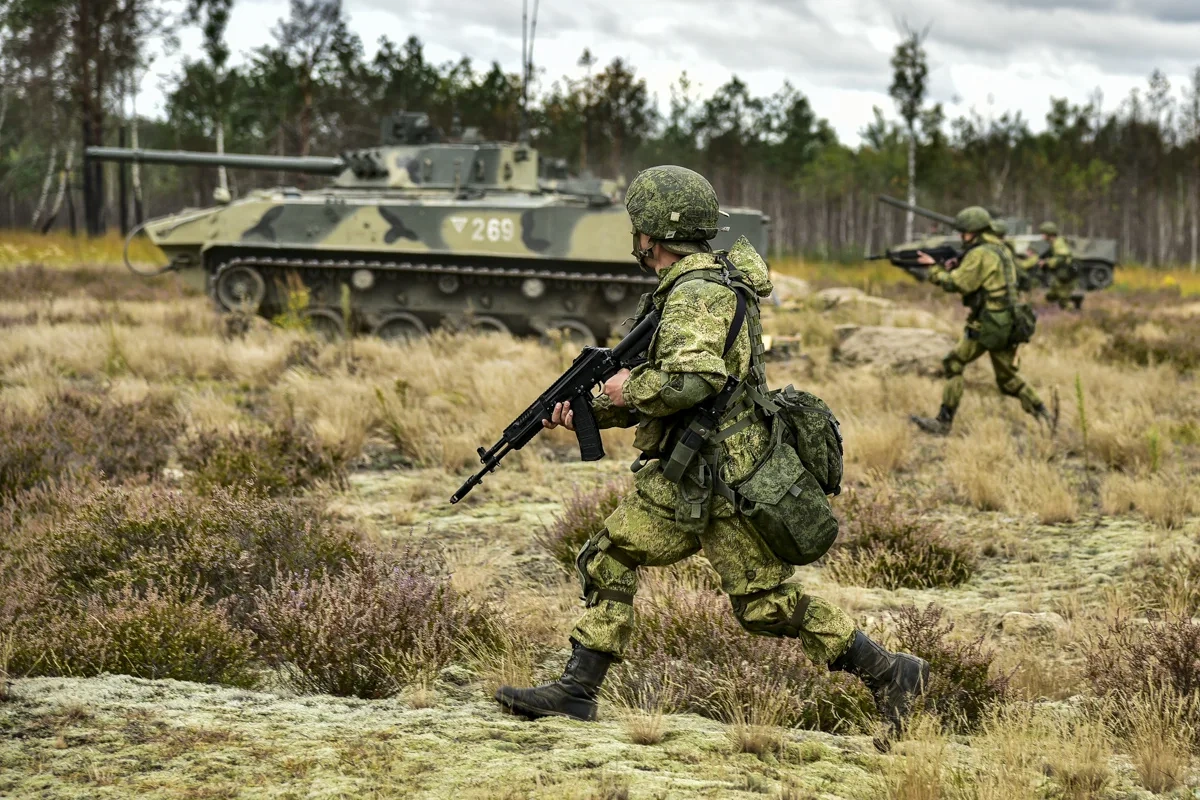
pixel 418 233
pixel 1097 257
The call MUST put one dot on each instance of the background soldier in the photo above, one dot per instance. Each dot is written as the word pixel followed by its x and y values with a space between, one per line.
pixel 983 278
pixel 674 213
pixel 1060 262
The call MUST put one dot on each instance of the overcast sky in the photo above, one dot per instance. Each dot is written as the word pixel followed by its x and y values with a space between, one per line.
pixel 993 55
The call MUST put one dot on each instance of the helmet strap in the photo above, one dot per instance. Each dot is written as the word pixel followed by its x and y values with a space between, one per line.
pixel 642 253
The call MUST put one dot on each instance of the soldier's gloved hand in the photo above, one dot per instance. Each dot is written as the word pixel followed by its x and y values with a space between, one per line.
pixel 562 415
pixel 950 264
pixel 614 388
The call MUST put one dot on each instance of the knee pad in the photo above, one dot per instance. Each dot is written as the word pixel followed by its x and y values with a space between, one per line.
pixel 770 619
pixel 953 366
pixel 596 546
pixel 1011 387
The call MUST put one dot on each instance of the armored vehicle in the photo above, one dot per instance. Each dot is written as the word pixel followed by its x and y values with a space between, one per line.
pixel 1097 257
pixel 419 233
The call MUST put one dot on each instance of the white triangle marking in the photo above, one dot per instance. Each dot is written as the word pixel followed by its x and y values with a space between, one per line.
pixel 459 223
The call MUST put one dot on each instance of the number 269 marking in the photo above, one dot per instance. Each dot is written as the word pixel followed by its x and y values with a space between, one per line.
pixel 491 229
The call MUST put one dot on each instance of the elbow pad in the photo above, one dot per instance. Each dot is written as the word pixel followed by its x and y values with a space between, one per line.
pixel 685 390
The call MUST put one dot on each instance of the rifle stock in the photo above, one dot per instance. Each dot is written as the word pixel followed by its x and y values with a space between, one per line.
pixel 590 368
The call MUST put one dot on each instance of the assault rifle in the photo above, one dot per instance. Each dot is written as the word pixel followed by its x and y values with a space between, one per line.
pixel 590 368
pixel 907 259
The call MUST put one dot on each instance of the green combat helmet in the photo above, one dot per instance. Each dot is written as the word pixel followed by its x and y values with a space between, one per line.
pixel 1000 228
pixel 973 219
pixel 1048 228
pixel 675 206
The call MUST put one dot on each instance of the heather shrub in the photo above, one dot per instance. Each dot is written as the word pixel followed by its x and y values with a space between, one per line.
pixel 228 542
pixel 582 516
pixel 79 431
pixel 1134 664
pixel 285 459
pixel 121 440
pixel 369 630
pixel 885 545
pixel 145 632
pixel 1131 341
pixel 961 685
pixel 689 654
pixel 31 453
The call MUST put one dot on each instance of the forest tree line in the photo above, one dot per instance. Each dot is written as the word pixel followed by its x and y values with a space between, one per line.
pixel 68 69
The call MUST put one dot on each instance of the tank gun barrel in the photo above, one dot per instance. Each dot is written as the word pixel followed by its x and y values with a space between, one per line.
pixel 924 212
pixel 313 165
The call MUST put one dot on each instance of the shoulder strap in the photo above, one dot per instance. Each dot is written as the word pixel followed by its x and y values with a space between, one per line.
pixel 739 319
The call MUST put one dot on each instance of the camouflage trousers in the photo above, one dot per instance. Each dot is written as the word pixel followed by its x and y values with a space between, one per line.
pixel 1004 364
pixel 644 533
pixel 1061 292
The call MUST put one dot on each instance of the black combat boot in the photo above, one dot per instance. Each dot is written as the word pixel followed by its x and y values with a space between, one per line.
pixel 1043 416
pixel 573 695
pixel 939 425
pixel 895 679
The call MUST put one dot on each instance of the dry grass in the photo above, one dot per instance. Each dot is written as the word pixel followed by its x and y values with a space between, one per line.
pixel 921 770
pixel 1160 738
pixel 644 719
pixel 431 403
pixel 879 446
pixel 756 714
pixel 1077 757
pixel 1165 500
pixel 62 250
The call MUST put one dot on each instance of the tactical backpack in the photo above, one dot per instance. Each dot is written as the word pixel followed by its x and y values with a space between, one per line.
pixel 784 497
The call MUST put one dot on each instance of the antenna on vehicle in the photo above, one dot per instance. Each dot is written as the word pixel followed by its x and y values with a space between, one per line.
pixel 528 29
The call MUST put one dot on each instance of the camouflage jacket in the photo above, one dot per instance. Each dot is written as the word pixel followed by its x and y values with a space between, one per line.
pixel 982 275
pixel 686 364
pixel 1059 255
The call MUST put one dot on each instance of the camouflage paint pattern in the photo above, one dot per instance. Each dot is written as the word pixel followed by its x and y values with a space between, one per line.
pixel 419 209
pixel 675 205
pixel 695 322
pixel 648 532
pixel 653 524
pixel 1097 257
pixel 1058 264
pixel 981 268
pixel 973 219
pixel 1004 365
pixel 428 200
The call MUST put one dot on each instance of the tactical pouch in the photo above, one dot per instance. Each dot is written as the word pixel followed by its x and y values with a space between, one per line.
pixel 995 328
pixel 814 432
pixel 784 504
pixel 1024 324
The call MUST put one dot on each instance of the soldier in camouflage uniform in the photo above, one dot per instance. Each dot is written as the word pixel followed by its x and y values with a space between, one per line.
pixel 674 213
pixel 982 277
pixel 1059 261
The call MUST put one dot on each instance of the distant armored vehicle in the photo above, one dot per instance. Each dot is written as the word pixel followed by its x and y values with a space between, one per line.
pixel 1096 257
pixel 424 233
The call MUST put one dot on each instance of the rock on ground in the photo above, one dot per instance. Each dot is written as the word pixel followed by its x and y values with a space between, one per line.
pixel 841 295
pixel 1022 624
pixel 790 292
pixel 912 350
